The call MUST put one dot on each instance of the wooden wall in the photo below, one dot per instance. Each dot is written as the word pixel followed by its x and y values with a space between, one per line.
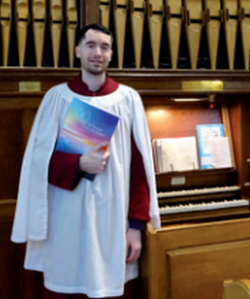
pixel 17 111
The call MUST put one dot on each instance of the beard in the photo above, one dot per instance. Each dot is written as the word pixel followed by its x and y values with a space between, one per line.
pixel 95 70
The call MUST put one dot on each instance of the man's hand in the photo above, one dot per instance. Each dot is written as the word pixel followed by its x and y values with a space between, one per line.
pixel 94 161
pixel 134 245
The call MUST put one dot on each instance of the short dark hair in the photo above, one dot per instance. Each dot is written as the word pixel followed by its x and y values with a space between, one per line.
pixel 99 27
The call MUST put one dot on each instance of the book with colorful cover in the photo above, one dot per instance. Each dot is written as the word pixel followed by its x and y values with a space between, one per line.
pixel 206 133
pixel 85 126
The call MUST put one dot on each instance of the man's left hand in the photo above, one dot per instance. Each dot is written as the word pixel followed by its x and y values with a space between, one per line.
pixel 134 245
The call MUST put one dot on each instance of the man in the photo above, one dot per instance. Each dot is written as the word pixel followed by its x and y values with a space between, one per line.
pixel 85 236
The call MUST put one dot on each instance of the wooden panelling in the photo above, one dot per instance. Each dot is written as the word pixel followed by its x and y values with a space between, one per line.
pixel 172 120
pixel 177 258
pixel 11 147
pixel 10 259
pixel 16 118
pixel 9 263
pixel 204 268
pixel 150 83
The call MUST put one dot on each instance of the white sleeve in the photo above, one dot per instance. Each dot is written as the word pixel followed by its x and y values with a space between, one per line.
pixel 31 213
pixel 143 142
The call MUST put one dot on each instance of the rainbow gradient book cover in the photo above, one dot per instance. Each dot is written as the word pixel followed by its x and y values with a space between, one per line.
pixel 84 127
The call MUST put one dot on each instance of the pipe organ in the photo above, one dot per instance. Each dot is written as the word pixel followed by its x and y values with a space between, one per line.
pixel 189 60
pixel 39 33
pixel 190 34
pixel 38 20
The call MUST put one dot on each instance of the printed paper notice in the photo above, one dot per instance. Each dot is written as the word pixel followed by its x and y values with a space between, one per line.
pixel 220 152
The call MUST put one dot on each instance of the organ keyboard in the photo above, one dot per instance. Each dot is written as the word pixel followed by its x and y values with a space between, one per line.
pixel 202 204
pixel 198 191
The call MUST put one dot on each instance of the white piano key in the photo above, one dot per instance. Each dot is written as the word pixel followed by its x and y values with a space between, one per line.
pixel 179 193
pixel 192 207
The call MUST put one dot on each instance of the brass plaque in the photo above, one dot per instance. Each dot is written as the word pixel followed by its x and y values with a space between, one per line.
pixel 202 85
pixel 181 180
pixel 29 86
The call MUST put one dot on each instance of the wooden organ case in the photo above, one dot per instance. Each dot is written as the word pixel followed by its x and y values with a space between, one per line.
pixel 199 245
pixel 194 251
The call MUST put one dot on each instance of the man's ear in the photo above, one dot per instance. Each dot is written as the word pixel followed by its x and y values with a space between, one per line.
pixel 77 51
pixel 111 54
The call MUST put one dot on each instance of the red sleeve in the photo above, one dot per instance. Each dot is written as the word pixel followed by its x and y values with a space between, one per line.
pixel 63 170
pixel 139 191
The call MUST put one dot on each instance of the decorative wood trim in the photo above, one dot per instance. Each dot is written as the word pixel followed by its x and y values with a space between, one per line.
pixel 147 82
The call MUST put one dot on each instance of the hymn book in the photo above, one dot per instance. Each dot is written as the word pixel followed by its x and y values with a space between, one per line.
pixel 175 154
pixel 85 126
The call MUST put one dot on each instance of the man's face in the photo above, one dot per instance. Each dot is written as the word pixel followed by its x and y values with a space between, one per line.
pixel 94 52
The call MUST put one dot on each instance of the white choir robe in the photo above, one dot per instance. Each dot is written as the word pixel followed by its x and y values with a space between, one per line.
pixel 78 238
